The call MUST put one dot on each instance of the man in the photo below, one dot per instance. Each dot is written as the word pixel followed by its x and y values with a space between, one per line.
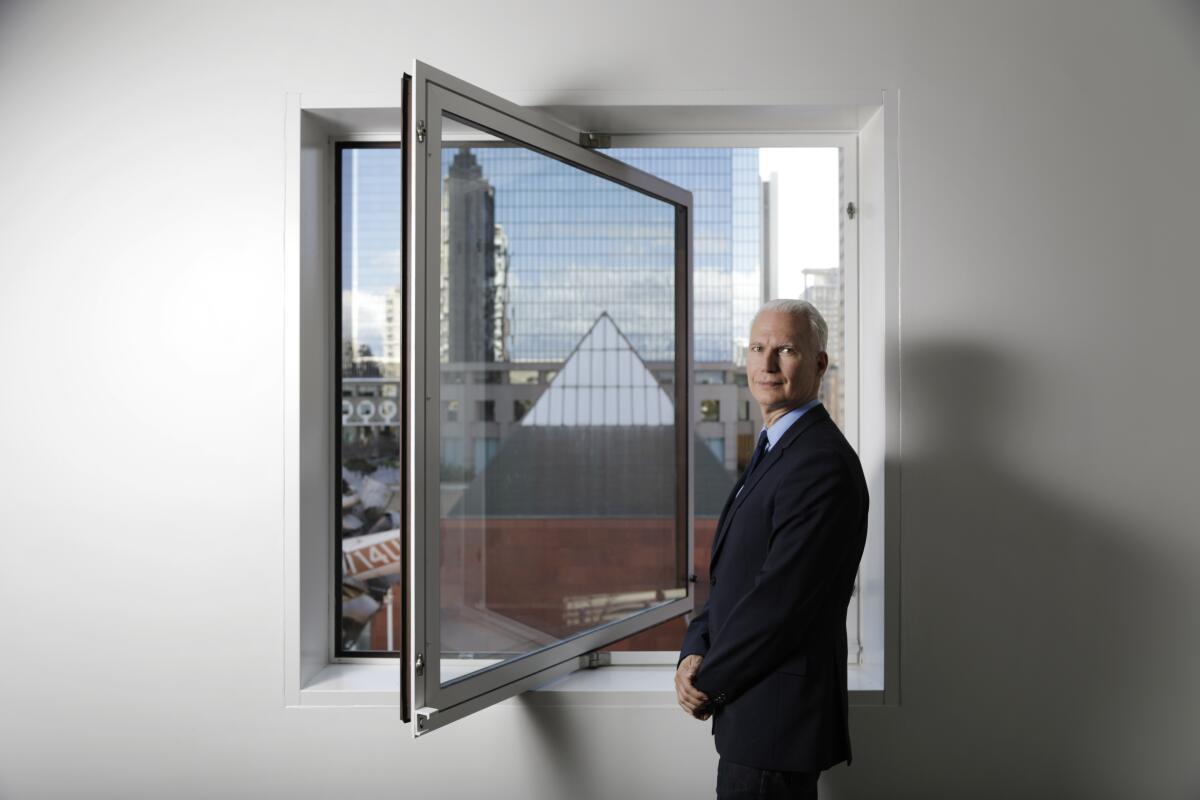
pixel 766 657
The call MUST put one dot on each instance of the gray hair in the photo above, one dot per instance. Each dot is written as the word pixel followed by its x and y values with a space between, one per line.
pixel 801 309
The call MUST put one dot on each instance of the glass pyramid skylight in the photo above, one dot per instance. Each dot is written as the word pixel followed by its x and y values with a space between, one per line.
pixel 603 383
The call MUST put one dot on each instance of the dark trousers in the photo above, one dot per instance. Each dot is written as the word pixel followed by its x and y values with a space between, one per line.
pixel 735 782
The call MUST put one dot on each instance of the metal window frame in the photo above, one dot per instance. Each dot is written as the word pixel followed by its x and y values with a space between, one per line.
pixel 436 93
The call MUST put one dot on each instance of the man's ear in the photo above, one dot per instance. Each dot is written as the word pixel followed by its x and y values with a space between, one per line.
pixel 822 362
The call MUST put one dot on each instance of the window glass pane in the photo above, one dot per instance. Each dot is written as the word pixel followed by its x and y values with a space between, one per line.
pixel 766 224
pixel 371 311
pixel 557 290
pixel 804 253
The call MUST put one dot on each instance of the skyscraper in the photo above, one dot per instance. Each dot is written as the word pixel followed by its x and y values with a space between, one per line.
pixel 472 284
pixel 569 253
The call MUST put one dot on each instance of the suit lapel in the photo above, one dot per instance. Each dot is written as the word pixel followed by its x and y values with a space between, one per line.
pixel 810 418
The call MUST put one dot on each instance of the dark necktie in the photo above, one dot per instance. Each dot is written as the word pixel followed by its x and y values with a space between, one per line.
pixel 759 451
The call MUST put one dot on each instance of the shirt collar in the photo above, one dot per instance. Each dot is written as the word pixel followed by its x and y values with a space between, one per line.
pixel 780 426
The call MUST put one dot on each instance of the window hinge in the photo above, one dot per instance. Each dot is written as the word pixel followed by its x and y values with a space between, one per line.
pixel 595 139
pixel 593 660
pixel 420 130
pixel 419 664
pixel 851 210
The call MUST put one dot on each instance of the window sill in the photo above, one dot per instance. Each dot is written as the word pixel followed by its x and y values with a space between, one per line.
pixel 360 685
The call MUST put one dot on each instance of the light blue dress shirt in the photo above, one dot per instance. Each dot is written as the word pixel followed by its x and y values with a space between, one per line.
pixel 781 425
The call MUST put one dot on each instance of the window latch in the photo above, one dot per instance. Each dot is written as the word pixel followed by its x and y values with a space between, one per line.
pixel 595 140
pixel 851 210
pixel 420 130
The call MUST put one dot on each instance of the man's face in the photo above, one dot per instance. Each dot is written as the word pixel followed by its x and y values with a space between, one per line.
pixel 783 367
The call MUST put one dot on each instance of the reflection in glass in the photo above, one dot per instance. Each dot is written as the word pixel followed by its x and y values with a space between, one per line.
pixel 564 517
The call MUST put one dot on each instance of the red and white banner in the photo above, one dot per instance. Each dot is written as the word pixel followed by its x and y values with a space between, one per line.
pixel 372 555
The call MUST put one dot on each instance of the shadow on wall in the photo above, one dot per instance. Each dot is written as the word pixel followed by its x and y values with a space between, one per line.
pixel 1187 17
pixel 1040 635
pixel 1034 630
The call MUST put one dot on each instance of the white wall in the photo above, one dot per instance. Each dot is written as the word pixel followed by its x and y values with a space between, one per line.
pixel 1049 498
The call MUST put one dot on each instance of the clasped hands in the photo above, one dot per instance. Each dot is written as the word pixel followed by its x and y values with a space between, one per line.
pixel 693 701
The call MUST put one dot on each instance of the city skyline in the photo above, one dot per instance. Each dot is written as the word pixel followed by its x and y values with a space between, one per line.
pixel 806 223
pixel 556 335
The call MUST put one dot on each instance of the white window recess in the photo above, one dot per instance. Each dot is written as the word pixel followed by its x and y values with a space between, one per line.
pixel 313 676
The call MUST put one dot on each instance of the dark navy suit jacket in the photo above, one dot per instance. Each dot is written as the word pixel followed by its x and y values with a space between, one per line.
pixel 773 633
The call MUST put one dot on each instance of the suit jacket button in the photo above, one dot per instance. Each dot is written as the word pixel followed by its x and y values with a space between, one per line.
pixel 712 580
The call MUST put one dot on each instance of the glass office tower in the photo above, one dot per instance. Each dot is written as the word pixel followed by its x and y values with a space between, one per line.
pixel 561 269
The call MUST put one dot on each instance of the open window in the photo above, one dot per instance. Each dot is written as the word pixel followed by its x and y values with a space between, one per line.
pixel 349 613
pixel 526 498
